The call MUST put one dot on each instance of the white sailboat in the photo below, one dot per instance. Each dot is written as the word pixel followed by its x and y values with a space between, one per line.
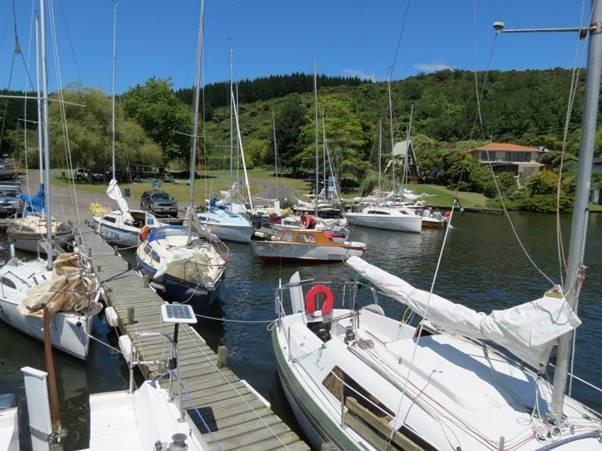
pixel 186 263
pixel 121 226
pixel 9 423
pixel 67 288
pixel 386 218
pixel 461 379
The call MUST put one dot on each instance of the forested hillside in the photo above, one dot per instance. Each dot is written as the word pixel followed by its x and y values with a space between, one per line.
pixel 525 107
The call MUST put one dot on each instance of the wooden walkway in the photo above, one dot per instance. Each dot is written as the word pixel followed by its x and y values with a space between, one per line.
pixel 237 416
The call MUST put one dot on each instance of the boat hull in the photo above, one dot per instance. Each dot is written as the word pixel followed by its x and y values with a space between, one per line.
pixel 236 234
pixel 70 332
pixel 34 242
pixel 174 289
pixel 279 251
pixel 117 235
pixel 431 223
pixel 397 224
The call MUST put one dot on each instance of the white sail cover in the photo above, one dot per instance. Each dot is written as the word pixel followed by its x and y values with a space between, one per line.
pixel 114 193
pixel 529 330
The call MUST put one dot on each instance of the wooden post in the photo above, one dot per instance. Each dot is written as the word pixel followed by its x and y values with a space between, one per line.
pixel 131 315
pixel 55 409
pixel 222 356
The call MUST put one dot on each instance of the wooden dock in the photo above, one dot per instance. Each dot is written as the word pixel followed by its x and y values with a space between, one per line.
pixel 237 416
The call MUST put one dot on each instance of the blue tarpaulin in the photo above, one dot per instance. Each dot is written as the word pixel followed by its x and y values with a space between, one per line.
pixel 34 204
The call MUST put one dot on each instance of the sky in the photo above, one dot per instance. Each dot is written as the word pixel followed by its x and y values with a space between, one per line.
pixel 346 37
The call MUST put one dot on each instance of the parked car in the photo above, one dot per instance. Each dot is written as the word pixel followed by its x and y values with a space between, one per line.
pixel 159 203
pixel 10 200
pixel 85 175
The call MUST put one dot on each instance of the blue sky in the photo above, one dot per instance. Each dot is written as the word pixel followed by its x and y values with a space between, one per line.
pixel 347 37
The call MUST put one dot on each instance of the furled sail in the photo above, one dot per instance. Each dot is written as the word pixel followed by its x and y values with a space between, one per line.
pixel 529 330
pixel 114 193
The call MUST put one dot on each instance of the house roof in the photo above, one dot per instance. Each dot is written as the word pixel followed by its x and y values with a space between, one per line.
pixel 505 147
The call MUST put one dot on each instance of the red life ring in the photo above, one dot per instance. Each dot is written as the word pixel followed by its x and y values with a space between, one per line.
pixel 310 299
pixel 144 231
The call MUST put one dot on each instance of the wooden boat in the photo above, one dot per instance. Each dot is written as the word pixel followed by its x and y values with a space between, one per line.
pixel 306 245
pixel 386 218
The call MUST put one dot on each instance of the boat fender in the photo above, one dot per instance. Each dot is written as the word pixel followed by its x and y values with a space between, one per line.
pixel 111 316
pixel 310 299
pixel 375 308
pixel 125 346
pixel 144 231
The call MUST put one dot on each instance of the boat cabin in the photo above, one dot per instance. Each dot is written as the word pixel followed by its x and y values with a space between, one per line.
pixel 306 236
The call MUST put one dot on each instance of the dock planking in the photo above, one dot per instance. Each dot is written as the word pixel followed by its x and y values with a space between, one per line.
pixel 237 417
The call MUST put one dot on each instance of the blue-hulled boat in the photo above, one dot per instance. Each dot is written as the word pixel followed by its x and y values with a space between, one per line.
pixel 227 225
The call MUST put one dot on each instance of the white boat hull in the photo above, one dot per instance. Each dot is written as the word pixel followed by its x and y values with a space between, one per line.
pixel 411 224
pixel 237 234
pixel 9 424
pixel 272 250
pixel 126 237
pixel 70 332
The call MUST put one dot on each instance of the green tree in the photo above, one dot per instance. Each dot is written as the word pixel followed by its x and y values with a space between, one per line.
pixel 161 114
pixel 290 119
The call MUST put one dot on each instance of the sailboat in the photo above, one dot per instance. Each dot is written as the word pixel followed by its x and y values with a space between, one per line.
pixel 226 218
pixel 67 287
pixel 122 226
pixel 461 379
pixel 186 263
pixel 9 423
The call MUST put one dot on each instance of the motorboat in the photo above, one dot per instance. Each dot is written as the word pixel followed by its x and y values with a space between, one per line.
pixel 29 233
pixel 306 245
pixel 227 225
pixel 9 423
pixel 386 218
pixel 363 381
pixel 70 291
pixel 184 264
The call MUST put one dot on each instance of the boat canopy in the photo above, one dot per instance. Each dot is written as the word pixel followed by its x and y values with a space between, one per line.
pixel 34 204
pixel 114 193
pixel 529 330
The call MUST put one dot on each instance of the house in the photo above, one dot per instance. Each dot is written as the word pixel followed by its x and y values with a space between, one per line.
pixel 597 164
pixel 519 160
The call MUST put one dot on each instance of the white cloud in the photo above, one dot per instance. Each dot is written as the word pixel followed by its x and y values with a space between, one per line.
pixel 431 67
pixel 359 74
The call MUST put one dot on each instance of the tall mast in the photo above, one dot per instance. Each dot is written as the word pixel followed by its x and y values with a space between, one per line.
pixel 114 60
pixel 406 157
pixel 197 103
pixel 575 268
pixel 45 139
pixel 39 102
pixel 317 140
pixel 380 150
pixel 391 125
pixel 275 152
pixel 242 157
pixel 231 123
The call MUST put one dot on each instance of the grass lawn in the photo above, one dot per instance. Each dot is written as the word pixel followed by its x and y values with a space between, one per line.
pixel 443 197
pixel 212 182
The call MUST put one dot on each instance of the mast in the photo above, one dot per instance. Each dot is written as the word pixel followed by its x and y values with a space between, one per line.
pixel 406 159
pixel 231 124
pixel 242 157
pixel 317 140
pixel 392 135
pixel 39 102
pixel 275 152
pixel 197 103
pixel 575 268
pixel 114 60
pixel 45 140
pixel 380 149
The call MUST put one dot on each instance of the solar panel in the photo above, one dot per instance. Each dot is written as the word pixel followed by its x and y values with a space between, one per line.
pixel 178 313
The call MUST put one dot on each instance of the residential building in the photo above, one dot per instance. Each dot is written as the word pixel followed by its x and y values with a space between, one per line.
pixel 519 160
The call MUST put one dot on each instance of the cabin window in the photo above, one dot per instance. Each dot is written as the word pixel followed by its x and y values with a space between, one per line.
pixel 155 257
pixel 287 236
pixel 202 218
pixel 8 283
pixel 378 212
pixel 341 385
pixel 306 238
pixel 109 219
pixel 147 249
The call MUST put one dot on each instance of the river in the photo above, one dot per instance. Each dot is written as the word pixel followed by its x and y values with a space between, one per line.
pixel 483 268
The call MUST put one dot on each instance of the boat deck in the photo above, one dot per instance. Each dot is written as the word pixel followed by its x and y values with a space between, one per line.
pixel 235 414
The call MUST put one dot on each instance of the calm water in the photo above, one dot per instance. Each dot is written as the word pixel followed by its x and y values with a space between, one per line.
pixel 483 268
